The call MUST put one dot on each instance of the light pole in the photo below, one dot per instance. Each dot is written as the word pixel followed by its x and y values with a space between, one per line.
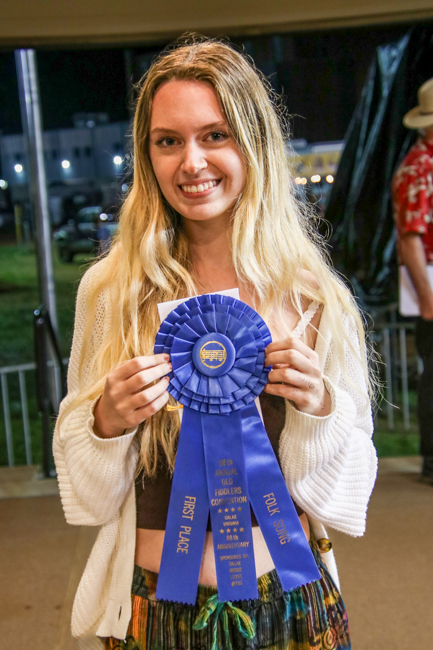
pixel 32 125
pixel 47 362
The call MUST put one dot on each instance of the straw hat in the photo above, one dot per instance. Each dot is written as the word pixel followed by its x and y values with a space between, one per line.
pixel 422 115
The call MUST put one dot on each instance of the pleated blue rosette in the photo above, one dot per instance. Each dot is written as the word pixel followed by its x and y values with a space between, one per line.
pixel 218 389
pixel 224 461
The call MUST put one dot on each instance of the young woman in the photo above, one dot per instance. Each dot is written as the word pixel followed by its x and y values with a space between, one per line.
pixel 211 208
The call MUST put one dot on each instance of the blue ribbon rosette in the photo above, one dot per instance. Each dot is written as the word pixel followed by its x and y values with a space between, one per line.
pixel 225 461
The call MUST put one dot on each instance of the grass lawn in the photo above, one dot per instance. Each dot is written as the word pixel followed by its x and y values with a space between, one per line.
pixel 397 442
pixel 19 297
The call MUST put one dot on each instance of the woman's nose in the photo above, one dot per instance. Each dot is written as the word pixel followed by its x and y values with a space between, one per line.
pixel 193 159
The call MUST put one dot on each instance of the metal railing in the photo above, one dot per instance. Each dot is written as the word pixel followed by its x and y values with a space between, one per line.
pixel 391 341
pixel 4 372
pixel 50 379
pixel 21 372
pixel 400 368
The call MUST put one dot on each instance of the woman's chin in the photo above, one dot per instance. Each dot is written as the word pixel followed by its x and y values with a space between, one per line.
pixel 205 215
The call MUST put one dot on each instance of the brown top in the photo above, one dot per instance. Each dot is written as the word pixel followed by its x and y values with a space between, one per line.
pixel 153 494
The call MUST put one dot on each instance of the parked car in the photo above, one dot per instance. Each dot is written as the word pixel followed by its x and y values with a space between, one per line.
pixel 90 231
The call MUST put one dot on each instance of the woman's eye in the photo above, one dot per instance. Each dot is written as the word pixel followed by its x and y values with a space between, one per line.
pixel 166 142
pixel 218 136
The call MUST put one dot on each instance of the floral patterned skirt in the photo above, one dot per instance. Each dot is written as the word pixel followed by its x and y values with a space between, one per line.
pixel 312 617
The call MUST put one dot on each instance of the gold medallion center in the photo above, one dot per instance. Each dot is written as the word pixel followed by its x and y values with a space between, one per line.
pixel 213 355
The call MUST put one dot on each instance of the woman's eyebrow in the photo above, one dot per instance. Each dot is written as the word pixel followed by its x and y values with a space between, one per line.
pixel 158 129
pixel 213 125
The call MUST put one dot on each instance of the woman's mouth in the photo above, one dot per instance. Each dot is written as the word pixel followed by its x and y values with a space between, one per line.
pixel 199 188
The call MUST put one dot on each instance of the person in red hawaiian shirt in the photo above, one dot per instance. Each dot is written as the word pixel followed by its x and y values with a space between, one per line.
pixel 413 212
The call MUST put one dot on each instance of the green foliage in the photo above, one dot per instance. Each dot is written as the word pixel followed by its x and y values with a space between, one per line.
pixel 19 297
pixel 397 441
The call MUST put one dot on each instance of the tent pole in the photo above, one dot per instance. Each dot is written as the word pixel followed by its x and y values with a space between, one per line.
pixel 25 61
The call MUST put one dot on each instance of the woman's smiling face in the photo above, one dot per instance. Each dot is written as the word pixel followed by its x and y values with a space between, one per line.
pixel 196 161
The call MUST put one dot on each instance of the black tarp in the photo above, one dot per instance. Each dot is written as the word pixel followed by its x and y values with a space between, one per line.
pixel 360 208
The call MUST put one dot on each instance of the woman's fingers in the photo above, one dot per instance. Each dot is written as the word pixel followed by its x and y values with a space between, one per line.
pixel 278 350
pixel 314 402
pixel 128 399
pixel 296 376
pixel 292 393
pixel 293 358
pixel 143 378
pixel 148 395
pixel 153 407
pixel 134 409
pixel 133 366
pixel 293 377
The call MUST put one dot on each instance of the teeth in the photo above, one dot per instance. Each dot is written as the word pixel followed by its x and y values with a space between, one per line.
pixel 194 189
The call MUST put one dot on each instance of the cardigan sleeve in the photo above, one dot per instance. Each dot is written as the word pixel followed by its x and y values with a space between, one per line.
pixel 94 474
pixel 330 463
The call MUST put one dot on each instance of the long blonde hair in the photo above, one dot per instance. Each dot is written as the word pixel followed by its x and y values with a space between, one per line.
pixel 274 243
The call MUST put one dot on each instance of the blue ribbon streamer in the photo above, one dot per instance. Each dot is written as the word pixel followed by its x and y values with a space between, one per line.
pixel 230 509
pixel 187 516
pixel 224 459
pixel 273 506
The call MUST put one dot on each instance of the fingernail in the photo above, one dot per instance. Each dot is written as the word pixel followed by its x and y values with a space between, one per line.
pixel 167 379
pixel 166 357
pixel 170 365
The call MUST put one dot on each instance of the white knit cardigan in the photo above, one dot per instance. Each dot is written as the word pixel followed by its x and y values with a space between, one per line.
pixel 329 464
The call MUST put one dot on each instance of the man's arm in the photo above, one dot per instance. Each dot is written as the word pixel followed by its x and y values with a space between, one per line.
pixel 413 256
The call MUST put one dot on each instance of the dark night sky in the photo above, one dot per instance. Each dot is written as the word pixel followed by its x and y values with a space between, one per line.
pixel 70 82
pixel 321 73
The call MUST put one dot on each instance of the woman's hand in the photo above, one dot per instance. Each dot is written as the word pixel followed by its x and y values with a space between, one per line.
pixel 296 376
pixel 128 399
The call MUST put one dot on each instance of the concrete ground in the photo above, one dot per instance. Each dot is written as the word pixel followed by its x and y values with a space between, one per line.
pixel 385 576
